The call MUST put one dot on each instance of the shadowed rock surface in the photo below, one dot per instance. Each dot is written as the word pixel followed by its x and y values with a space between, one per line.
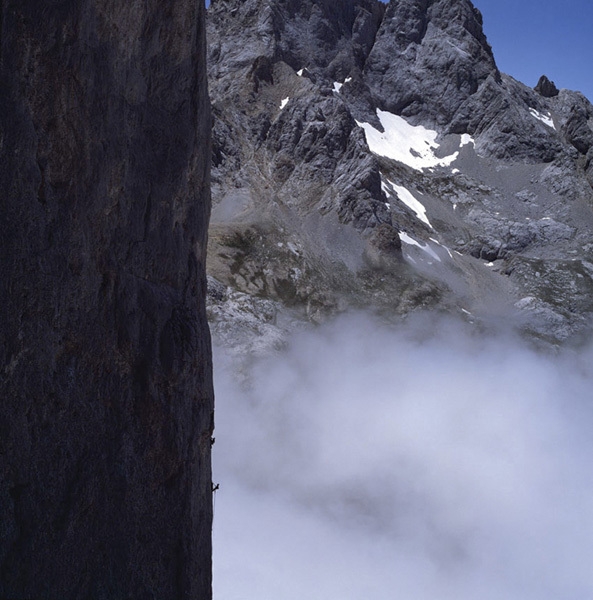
pixel 546 88
pixel 340 127
pixel 106 402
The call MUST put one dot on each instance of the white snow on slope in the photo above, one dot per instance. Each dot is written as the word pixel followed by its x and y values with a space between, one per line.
pixel 284 102
pixel 441 245
pixel 338 85
pixel 409 144
pixel 545 119
pixel 406 239
pixel 406 197
pixel 466 139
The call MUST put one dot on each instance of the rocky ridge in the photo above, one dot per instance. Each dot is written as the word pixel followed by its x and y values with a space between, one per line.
pixel 373 155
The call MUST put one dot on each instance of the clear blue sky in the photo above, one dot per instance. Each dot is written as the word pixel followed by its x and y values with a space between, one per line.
pixel 535 37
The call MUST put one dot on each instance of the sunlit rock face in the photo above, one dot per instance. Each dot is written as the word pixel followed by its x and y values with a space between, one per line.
pixel 332 120
pixel 106 395
pixel 428 58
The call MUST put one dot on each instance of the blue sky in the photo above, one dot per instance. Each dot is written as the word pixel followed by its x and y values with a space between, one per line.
pixel 535 37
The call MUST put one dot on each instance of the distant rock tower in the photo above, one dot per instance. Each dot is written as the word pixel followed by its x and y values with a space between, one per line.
pixel 546 88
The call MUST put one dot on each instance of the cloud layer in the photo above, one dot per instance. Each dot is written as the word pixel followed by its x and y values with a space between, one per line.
pixel 418 463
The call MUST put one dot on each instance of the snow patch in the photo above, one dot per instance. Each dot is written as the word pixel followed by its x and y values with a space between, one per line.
pixel 406 197
pixel 412 145
pixel 443 247
pixel 284 102
pixel 338 85
pixel 545 119
pixel 406 239
pixel 526 302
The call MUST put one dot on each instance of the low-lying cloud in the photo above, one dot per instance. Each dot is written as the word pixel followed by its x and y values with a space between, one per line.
pixel 420 463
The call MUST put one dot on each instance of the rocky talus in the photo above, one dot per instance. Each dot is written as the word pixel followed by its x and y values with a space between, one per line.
pixel 106 402
pixel 373 155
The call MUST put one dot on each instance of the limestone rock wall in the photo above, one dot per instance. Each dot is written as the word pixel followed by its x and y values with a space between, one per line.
pixel 106 401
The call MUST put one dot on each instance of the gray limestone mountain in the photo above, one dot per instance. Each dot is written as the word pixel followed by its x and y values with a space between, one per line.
pixel 373 155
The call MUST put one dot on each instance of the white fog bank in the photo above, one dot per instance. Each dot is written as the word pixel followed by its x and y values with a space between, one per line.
pixel 364 463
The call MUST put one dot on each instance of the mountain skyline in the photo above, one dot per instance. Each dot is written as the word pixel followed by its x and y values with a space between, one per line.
pixel 531 38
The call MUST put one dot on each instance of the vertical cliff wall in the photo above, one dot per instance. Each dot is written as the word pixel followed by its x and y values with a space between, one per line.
pixel 105 397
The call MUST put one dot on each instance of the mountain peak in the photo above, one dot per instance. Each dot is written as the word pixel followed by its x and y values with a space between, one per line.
pixel 429 57
pixel 342 127
pixel 546 88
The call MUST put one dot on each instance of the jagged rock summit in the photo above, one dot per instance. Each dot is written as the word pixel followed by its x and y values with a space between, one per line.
pixel 370 154
pixel 546 88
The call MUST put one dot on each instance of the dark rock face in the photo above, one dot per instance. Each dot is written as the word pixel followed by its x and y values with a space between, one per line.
pixel 323 34
pixel 106 396
pixel 546 88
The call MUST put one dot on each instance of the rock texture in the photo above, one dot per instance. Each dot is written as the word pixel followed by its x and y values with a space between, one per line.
pixel 429 58
pixel 546 88
pixel 106 397
pixel 486 212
